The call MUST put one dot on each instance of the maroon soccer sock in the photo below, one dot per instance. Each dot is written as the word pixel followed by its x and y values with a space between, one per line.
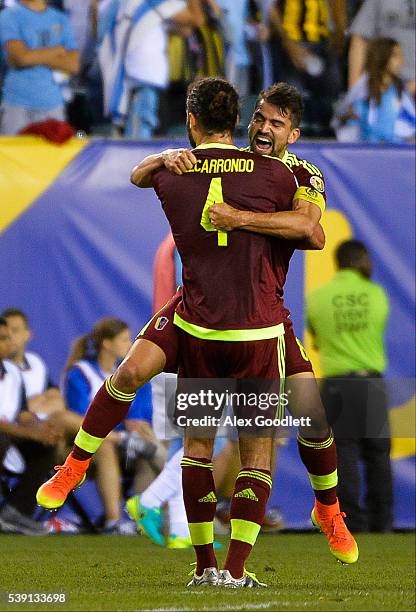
pixel 319 456
pixel 200 504
pixel 108 408
pixel 248 506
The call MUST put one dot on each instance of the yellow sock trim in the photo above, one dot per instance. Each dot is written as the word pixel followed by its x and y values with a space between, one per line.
pixel 318 445
pixel 244 531
pixel 116 394
pixel 256 475
pixel 87 442
pixel 201 533
pixel 187 462
pixel 327 481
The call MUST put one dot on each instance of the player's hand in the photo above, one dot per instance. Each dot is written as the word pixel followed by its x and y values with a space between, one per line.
pixel 224 217
pixel 47 433
pixel 179 161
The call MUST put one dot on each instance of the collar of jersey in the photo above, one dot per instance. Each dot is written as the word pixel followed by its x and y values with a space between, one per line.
pixel 215 145
pixel 285 156
pixel 349 272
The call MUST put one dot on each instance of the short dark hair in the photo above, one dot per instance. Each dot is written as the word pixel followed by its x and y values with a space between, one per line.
pixel 350 254
pixel 286 98
pixel 3 322
pixel 214 102
pixel 15 312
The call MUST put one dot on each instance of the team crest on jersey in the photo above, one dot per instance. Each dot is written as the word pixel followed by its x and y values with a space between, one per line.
pixel 161 323
pixel 317 183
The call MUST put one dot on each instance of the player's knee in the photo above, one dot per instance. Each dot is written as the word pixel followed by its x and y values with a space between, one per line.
pixel 201 448
pixel 256 453
pixel 128 377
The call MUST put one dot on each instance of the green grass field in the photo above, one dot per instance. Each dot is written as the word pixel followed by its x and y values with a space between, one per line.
pixel 129 573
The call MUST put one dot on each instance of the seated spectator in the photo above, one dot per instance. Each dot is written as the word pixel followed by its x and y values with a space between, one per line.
pixel 39 47
pixel 23 432
pixel 132 445
pixel 377 108
pixel 43 396
pixel 134 62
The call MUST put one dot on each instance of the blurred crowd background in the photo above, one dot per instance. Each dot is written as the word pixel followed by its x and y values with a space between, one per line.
pixel 129 62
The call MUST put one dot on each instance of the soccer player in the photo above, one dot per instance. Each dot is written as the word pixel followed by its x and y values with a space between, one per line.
pixel 156 349
pixel 273 127
pixel 237 336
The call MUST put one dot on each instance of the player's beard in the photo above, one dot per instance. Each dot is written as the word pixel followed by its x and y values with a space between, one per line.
pixel 190 137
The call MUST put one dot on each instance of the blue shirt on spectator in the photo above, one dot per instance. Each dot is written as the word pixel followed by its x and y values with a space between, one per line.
pixel 34 87
pixel 77 395
pixel 234 23
pixel 378 124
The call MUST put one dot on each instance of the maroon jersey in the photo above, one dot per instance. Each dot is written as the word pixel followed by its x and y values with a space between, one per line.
pixel 229 280
pixel 310 187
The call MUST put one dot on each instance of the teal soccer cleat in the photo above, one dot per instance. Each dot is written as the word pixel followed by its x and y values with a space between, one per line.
pixel 148 520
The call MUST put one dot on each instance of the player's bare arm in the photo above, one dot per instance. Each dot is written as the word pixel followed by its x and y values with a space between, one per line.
pixel 177 161
pixel 315 243
pixel 297 224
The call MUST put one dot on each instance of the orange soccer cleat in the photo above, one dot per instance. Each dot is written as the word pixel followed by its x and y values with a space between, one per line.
pixel 330 520
pixel 53 493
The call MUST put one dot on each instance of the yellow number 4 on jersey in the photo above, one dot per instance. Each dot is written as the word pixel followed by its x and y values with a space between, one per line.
pixel 214 197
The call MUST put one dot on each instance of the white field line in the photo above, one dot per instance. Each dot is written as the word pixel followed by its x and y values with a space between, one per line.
pixel 270 605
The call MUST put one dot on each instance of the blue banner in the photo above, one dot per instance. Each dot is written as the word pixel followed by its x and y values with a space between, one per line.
pixel 84 249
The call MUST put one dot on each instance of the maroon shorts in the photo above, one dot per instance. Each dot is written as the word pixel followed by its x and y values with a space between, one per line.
pixel 245 374
pixel 243 360
pixel 297 361
pixel 161 331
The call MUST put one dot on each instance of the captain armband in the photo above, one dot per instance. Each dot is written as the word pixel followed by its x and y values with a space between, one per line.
pixel 310 195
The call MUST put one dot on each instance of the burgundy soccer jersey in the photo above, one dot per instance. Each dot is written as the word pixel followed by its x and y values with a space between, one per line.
pixel 310 187
pixel 229 279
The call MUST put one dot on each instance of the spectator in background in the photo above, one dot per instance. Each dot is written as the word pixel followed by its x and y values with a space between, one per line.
pixel 20 431
pixel 43 396
pixel 85 110
pixel 388 19
pixel 307 48
pixel 134 62
pixel 377 108
pixel 38 44
pixel 347 318
pixel 237 59
pixel 92 360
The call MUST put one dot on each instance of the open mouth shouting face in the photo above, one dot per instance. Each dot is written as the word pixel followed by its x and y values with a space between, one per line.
pixel 270 131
